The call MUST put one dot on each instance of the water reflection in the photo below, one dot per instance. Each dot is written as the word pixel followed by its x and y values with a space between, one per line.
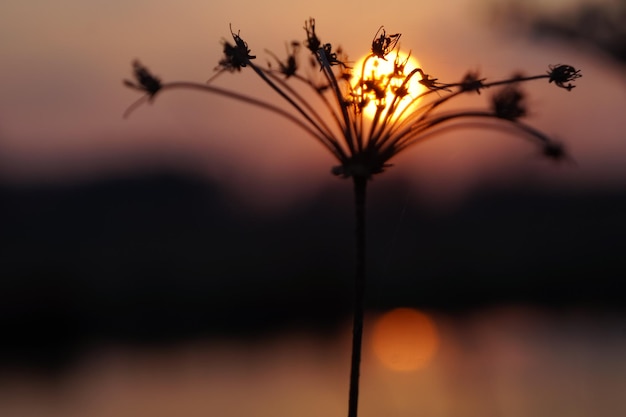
pixel 504 362
pixel 404 339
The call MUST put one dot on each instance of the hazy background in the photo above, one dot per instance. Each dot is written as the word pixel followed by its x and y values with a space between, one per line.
pixel 197 258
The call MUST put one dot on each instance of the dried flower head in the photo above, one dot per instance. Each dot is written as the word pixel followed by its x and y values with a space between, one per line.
pixel 554 150
pixel 326 55
pixel 383 44
pixel 236 56
pixel 509 103
pixel 289 67
pixel 144 80
pixel 472 82
pixel 562 74
pixel 312 42
pixel 431 84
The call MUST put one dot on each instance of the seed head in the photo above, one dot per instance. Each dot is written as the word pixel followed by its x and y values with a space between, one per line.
pixel 562 74
pixel 555 151
pixel 144 80
pixel 383 44
pixel 472 82
pixel 313 43
pixel 236 56
pixel 509 103
pixel 290 66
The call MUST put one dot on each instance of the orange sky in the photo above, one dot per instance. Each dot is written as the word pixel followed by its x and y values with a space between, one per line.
pixel 61 98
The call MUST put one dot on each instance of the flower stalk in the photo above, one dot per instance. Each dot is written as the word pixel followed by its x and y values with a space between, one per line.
pixel 363 147
pixel 360 188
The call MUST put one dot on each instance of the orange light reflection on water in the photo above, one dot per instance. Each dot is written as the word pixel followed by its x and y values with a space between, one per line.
pixel 513 362
pixel 405 339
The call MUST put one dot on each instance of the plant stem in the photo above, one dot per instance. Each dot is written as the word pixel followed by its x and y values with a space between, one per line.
pixel 360 185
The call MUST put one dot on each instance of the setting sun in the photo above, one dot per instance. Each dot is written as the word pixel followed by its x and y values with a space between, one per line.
pixel 405 339
pixel 382 70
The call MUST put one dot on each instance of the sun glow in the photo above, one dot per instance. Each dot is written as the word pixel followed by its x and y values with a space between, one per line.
pixel 405 339
pixel 384 73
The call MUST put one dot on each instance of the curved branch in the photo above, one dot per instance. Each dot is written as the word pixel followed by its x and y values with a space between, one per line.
pixel 433 128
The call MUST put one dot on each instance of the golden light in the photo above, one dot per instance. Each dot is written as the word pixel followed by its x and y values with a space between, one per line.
pixel 405 339
pixel 381 70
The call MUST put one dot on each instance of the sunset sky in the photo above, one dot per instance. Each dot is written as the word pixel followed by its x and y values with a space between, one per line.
pixel 61 97
pixel 150 260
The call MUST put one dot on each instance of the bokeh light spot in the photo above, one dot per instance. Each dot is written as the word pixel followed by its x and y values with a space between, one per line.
pixel 405 339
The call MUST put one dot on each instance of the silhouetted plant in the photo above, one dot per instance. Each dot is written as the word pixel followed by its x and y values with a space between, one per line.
pixel 364 147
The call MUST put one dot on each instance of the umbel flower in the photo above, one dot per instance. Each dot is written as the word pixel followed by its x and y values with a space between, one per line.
pixel 363 144
pixel 360 146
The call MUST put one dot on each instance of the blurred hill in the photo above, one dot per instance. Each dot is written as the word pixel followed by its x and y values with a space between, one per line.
pixel 165 256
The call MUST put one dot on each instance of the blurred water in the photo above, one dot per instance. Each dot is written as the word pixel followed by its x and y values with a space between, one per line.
pixel 500 362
